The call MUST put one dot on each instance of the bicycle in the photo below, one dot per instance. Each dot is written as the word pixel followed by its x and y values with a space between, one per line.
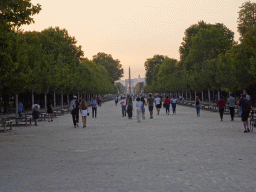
pixel 252 121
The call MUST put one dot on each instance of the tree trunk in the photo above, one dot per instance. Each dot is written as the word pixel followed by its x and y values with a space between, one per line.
pixel 33 99
pixel 209 96
pixel 16 114
pixel 61 100
pixel 54 99
pixel 67 99
pixel 202 96
pixel 45 101
pixel 218 94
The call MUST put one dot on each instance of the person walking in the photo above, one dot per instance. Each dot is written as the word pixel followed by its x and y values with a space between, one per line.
pixel 167 102
pixel 239 103
pixel 36 113
pixel 231 103
pixel 246 107
pixel 94 107
pixel 20 108
pixel 143 107
pixel 130 107
pixel 158 104
pixel 197 103
pixel 83 111
pixel 116 100
pixel 139 104
pixel 221 105
pixel 174 103
pixel 123 104
pixel 150 102
pixel 49 111
pixel 74 108
pixel 98 101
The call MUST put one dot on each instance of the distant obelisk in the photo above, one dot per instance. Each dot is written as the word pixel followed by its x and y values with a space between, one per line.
pixel 130 88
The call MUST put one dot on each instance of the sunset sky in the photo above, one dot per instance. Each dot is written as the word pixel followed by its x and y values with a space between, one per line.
pixel 133 30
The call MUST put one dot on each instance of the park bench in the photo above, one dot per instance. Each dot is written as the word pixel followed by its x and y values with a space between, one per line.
pixel 214 107
pixel 190 103
pixel 5 123
pixel 43 115
pixel 204 105
pixel 21 119
pixel 226 110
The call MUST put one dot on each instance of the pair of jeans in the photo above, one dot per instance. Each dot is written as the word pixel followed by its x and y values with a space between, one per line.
pixel 174 107
pixel 197 109
pixel 221 113
pixel 240 110
pixel 94 111
pixel 75 115
pixel 232 112
pixel 167 107
pixel 123 110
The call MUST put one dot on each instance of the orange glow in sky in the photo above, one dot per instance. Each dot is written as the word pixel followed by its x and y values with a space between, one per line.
pixel 133 30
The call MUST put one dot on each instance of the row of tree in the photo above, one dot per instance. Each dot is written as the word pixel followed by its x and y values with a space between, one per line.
pixel 210 59
pixel 49 60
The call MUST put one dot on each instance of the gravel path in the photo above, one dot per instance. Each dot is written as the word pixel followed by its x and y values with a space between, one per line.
pixel 179 152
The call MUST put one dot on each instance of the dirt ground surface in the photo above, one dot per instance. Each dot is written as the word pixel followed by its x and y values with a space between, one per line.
pixel 180 152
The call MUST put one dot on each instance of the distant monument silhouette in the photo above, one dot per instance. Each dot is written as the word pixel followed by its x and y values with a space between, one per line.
pixel 130 88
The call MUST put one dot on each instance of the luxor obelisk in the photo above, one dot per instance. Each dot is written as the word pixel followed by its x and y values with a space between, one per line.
pixel 130 88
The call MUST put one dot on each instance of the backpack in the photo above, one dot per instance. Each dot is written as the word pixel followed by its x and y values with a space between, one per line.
pixel 72 105
pixel 246 105
pixel 77 105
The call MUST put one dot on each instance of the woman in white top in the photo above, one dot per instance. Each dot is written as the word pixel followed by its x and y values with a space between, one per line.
pixel 139 112
pixel 174 102
pixel 83 110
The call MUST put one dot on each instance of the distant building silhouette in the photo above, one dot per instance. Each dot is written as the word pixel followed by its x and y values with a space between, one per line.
pixel 133 82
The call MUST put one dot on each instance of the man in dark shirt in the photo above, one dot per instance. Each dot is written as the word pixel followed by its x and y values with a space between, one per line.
pixel 150 102
pixel 221 104
pixel 246 107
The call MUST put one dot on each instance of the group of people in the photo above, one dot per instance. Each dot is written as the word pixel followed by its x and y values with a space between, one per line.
pixel 76 107
pixel 245 106
pixel 127 105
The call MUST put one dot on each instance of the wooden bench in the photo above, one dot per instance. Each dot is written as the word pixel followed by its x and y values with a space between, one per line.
pixel 43 115
pixel 203 106
pixel 21 119
pixel 59 112
pixel 6 123
pixel 214 108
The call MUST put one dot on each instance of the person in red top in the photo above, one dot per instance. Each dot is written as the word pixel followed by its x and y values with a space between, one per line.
pixel 98 100
pixel 221 104
pixel 167 104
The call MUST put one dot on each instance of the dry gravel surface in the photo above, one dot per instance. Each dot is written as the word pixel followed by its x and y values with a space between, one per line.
pixel 178 153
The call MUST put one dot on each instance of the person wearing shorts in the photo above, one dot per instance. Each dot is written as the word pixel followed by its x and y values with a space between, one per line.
pixel 246 107
pixel 36 113
pixel 158 104
pixel 83 109
pixel 150 102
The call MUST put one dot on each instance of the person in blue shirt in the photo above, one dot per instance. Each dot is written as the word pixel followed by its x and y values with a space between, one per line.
pixel 20 108
pixel 94 107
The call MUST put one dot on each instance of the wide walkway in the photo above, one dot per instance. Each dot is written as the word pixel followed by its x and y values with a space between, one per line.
pixel 179 152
